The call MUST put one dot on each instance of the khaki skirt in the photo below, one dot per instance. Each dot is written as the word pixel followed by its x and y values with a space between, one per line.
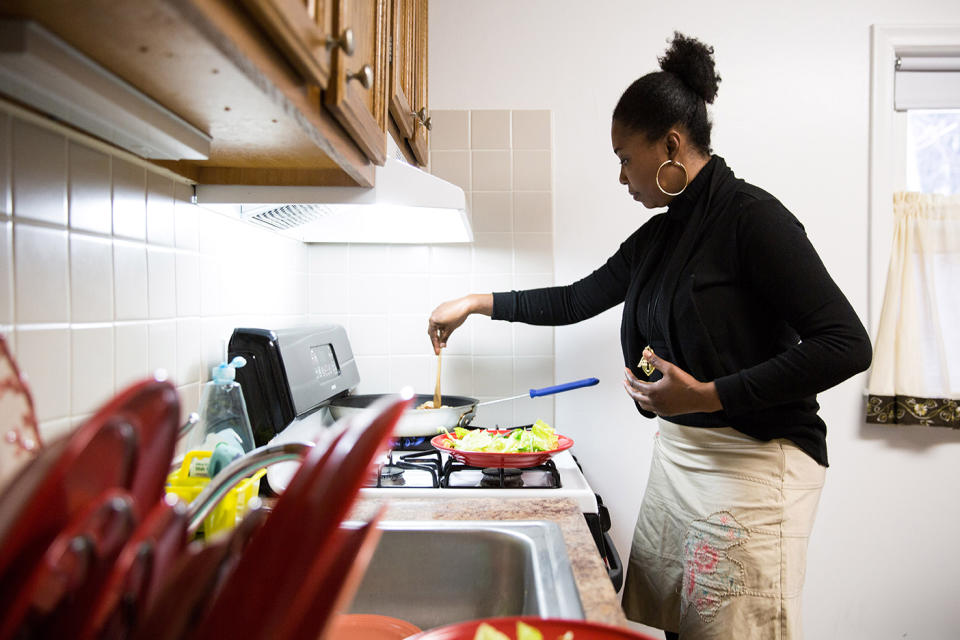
pixel 720 545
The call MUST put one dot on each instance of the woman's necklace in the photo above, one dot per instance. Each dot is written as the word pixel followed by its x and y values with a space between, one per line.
pixel 645 364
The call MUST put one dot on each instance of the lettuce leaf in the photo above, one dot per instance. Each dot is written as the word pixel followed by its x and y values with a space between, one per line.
pixel 541 437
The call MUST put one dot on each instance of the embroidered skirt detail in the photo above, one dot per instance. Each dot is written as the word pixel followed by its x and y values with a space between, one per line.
pixel 720 546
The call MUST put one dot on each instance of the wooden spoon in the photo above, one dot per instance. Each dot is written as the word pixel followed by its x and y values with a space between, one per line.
pixel 436 389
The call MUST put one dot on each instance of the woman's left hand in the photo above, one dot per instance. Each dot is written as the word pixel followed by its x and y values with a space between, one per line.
pixel 677 392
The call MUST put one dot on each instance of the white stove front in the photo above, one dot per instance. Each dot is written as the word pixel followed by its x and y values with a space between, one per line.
pixel 417 484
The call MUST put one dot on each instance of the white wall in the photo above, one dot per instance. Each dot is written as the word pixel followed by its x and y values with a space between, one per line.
pixel 792 117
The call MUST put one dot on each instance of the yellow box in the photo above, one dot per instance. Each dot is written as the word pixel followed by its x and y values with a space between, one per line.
pixel 231 508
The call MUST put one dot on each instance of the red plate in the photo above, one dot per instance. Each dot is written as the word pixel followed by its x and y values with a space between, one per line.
pixel 497 460
pixel 550 628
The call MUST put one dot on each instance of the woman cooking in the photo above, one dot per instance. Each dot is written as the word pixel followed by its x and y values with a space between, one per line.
pixel 731 326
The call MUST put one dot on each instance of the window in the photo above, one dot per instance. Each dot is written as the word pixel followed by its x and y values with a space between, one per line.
pixel 912 68
pixel 915 227
pixel 933 151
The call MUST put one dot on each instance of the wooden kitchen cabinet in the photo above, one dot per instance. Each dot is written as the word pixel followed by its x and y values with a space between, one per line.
pixel 357 92
pixel 408 75
pixel 340 47
pixel 303 30
pixel 270 81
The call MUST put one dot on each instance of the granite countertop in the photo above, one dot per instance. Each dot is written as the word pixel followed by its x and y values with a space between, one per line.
pixel 600 602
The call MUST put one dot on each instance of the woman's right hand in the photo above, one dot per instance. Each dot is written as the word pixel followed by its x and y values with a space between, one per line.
pixel 451 314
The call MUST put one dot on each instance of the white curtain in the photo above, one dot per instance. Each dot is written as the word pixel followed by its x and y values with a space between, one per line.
pixel 915 378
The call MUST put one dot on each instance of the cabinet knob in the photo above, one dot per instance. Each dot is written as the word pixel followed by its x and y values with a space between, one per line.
pixel 345 42
pixel 421 117
pixel 364 76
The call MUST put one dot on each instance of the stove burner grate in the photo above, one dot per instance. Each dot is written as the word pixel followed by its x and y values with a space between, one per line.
pixel 498 477
pixel 390 474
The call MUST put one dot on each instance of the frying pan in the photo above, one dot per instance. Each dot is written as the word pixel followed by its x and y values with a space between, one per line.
pixel 458 411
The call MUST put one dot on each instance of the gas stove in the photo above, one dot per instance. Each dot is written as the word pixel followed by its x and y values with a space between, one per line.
pixel 434 474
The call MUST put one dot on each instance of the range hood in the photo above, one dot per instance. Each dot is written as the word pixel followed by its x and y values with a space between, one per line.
pixel 407 206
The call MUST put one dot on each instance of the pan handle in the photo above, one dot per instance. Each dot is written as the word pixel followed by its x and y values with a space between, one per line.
pixel 566 386
pixel 467 416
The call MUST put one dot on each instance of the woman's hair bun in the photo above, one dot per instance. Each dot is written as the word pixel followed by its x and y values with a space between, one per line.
pixel 692 61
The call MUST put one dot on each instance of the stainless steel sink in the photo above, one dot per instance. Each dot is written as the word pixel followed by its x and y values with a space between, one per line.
pixel 439 572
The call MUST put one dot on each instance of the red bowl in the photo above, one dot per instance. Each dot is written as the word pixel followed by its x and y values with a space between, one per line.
pixel 361 626
pixel 497 460
pixel 550 628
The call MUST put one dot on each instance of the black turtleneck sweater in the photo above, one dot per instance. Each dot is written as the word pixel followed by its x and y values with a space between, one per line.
pixel 726 285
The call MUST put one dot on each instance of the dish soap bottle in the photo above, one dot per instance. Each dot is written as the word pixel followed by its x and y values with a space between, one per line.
pixel 223 413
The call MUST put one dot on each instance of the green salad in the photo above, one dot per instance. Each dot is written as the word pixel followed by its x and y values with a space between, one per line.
pixel 540 437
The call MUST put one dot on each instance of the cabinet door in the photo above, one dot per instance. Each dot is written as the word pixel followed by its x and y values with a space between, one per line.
pixel 303 30
pixel 402 57
pixel 419 143
pixel 357 92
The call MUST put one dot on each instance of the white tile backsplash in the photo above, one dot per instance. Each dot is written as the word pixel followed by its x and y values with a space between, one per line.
pixel 533 211
pixel 162 347
pixel 493 376
pixel 91 278
pixel 5 150
pixel 160 215
pixel 329 258
pixel 91 368
pixel 491 170
pixel 89 190
pixel 531 170
pixel 39 174
pixel 123 275
pixel 416 371
pixel 370 258
pixel 490 129
pixel 162 282
pixel 451 130
pixel 492 252
pixel 408 335
pixel 492 211
pixel 453 166
pixel 531 129
pixel 130 280
pixel 186 219
pixel 374 373
pixel 188 351
pixel 445 287
pixel 129 200
pixel 43 356
pixel 409 258
pixel 408 293
pixel 532 340
pixel 493 339
pixel 451 258
pixel 130 353
pixel 370 335
pixel 329 293
pixel 42 293
pixel 533 252
pixel 368 294
pixel 188 283
pixel 6 270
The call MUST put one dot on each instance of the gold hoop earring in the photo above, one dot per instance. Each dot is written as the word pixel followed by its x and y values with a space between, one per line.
pixel 686 179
